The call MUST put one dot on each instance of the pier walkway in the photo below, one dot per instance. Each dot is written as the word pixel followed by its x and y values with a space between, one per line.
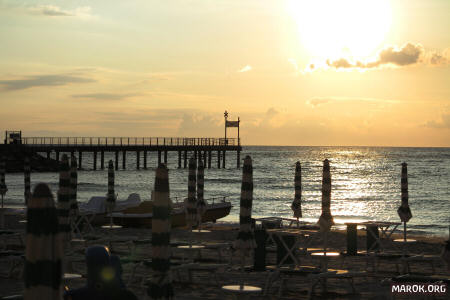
pixel 200 148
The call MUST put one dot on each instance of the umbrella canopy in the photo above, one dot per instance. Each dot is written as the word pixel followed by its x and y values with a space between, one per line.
pixel 191 204
pixel 73 187
pixel 297 203
pixel 64 198
pixel 161 284
pixel 44 251
pixel 245 242
pixel 27 181
pixel 201 203
pixel 326 219
pixel 111 196
pixel 404 211
pixel 3 188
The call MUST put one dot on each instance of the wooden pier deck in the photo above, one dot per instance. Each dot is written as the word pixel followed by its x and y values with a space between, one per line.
pixel 200 148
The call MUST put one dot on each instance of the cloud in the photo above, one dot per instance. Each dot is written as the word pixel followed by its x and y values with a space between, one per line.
pixel 317 101
pixel 245 69
pixel 444 122
pixel 314 102
pixel 42 80
pixel 55 11
pixel 103 96
pixel 409 54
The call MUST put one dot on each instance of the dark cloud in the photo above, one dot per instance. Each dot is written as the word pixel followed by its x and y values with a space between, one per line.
pixel 103 96
pixel 53 11
pixel 42 80
pixel 407 55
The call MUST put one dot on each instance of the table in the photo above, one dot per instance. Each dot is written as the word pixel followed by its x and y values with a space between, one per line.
pixel 297 234
pixel 191 248
pixel 242 290
pixel 324 258
pixel 386 231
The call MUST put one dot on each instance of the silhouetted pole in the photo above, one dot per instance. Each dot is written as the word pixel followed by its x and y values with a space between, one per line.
pixel 95 160
pixel 80 158
pixel 102 160
pixel 179 159
pixel 117 160
pixel 124 160
pixel 138 157
pixel 145 160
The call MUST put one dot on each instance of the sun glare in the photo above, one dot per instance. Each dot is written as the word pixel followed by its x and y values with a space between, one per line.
pixel 344 28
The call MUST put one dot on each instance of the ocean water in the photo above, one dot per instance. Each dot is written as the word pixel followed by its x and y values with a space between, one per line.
pixel 365 182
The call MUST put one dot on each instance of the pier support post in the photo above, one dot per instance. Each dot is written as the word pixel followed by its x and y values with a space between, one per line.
pixel 223 162
pixel 238 159
pixel 48 154
pixel 102 160
pixel 165 157
pixel 57 156
pixel 185 158
pixel 145 160
pixel 218 159
pixel 124 160
pixel 179 159
pixel 72 153
pixel 209 159
pixel 204 158
pixel 117 160
pixel 95 160
pixel 138 157
pixel 80 159
pixel 159 157
pixel 195 154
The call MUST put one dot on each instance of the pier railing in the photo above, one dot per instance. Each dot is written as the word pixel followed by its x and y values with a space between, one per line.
pixel 128 141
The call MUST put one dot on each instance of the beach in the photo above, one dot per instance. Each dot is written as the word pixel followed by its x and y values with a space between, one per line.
pixel 207 284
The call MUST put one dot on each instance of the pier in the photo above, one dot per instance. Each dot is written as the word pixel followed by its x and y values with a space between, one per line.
pixel 206 149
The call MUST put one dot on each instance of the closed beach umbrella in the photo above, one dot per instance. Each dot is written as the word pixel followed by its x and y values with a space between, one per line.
pixel 73 188
pixel 110 197
pixel 245 241
pixel 3 188
pixel 404 211
pixel 297 203
pixel 201 203
pixel 64 198
pixel 326 219
pixel 191 205
pixel 44 251
pixel 27 181
pixel 161 283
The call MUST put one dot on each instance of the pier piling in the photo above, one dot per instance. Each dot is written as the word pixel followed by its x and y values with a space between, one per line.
pixel 145 160
pixel 102 160
pixel 138 156
pixel 95 160
pixel 124 160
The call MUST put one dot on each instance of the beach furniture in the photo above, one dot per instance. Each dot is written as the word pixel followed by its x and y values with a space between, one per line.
pixel 111 197
pixel 44 249
pixel 201 203
pixel 104 277
pixel 161 283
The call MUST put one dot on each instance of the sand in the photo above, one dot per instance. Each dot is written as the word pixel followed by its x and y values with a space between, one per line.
pixel 206 284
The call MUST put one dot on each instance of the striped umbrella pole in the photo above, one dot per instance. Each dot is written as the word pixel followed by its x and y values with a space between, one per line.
pixel 404 211
pixel 111 196
pixel 64 199
pixel 245 241
pixel 161 283
pixel 3 188
pixel 27 181
pixel 191 205
pixel 326 219
pixel 73 190
pixel 297 203
pixel 44 249
pixel 201 203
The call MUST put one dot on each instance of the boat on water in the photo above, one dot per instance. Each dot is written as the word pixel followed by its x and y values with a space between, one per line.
pixel 141 215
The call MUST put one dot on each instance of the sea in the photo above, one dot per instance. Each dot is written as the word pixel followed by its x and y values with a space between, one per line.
pixel 365 183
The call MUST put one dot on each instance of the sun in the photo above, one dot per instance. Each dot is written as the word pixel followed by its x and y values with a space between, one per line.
pixel 341 28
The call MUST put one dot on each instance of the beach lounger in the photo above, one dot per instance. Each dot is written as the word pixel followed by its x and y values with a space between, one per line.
pixel 431 260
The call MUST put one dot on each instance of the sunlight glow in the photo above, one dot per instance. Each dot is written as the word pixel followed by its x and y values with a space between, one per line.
pixel 345 28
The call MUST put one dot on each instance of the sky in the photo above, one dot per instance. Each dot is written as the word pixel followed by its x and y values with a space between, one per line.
pixel 323 72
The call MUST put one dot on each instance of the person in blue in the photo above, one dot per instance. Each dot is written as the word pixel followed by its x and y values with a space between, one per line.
pixel 104 278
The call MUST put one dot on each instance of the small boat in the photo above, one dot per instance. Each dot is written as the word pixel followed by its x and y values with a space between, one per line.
pixel 141 215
